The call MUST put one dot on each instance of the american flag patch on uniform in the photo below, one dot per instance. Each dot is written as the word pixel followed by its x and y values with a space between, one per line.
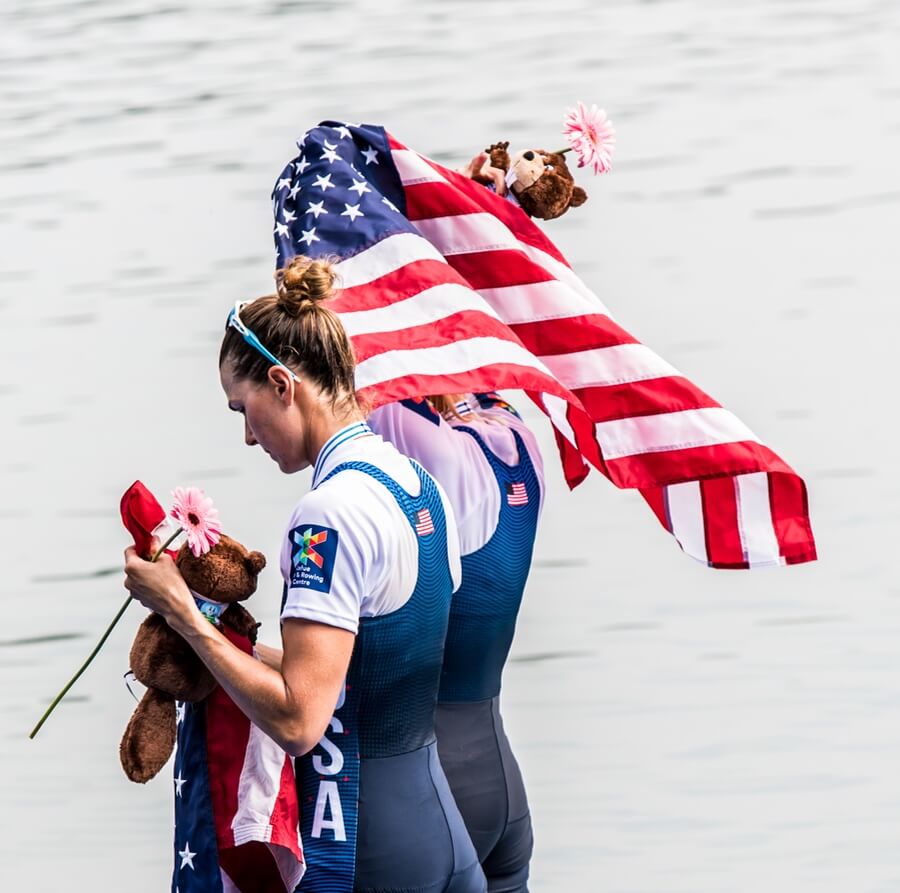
pixel 424 524
pixel 516 494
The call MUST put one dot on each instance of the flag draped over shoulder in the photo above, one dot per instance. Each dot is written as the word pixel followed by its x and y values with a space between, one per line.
pixel 447 288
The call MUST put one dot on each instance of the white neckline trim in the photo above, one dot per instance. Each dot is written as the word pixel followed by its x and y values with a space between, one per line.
pixel 338 439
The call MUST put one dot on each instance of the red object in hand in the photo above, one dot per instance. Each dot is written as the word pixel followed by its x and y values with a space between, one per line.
pixel 141 515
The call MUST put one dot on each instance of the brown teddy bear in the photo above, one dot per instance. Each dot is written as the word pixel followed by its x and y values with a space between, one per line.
pixel 169 667
pixel 540 181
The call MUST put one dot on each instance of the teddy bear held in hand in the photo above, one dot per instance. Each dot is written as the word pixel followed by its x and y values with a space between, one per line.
pixel 540 180
pixel 168 666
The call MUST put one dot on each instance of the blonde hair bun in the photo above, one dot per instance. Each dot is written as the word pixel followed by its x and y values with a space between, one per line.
pixel 303 283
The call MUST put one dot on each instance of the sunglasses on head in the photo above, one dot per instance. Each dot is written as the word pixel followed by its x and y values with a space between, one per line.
pixel 234 321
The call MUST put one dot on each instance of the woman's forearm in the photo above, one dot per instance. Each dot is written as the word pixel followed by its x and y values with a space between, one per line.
pixel 256 687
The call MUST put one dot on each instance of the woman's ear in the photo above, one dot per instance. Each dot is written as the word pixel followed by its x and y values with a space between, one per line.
pixel 282 381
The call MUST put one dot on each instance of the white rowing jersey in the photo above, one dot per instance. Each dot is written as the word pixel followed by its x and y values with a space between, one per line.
pixel 455 460
pixel 350 550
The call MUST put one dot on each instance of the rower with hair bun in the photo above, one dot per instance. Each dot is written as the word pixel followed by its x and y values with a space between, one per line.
pixel 487 460
pixel 370 559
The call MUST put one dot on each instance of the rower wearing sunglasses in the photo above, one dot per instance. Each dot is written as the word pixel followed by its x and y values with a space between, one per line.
pixel 489 464
pixel 370 559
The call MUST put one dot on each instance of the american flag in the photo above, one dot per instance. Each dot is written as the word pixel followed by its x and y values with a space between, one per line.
pixel 424 524
pixel 448 288
pixel 516 494
pixel 236 807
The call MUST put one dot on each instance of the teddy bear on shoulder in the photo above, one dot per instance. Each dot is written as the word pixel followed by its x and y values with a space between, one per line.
pixel 540 181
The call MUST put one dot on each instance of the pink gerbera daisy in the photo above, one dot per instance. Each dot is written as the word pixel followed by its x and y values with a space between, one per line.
pixel 196 516
pixel 591 135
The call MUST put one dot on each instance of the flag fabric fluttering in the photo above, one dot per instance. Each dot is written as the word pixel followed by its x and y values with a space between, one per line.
pixel 446 287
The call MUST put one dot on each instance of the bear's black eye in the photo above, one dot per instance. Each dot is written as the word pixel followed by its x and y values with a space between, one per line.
pixel 528 156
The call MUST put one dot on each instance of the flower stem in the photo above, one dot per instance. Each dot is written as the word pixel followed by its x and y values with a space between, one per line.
pixel 99 645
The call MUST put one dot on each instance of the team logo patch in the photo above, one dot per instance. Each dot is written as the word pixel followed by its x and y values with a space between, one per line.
pixel 516 494
pixel 313 550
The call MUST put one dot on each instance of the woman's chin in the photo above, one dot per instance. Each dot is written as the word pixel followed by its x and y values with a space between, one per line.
pixel 290 466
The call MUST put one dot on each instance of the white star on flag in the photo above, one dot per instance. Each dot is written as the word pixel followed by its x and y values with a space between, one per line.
pixel 330 153
pixel 282 229
pixel 324 183
pixel 309 236
pixel 316 208
pixel 283 183
pixel 187 857
pixel 289 216
pixel 390 204
pixel 301 142
pixel 343 131
pixel 371 155
pixel 301 165
pixel 352 211
pixel 292 192
pixel 179 784
pixel 360 187
pixel 179 712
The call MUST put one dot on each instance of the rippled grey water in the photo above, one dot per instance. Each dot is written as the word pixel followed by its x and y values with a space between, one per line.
pixel 680 729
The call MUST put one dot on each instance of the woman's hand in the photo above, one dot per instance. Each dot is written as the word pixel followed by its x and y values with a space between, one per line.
pixel 159 586
pixel 480 169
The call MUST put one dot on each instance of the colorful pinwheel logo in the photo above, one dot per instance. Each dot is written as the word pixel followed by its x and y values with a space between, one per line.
pixel 306 542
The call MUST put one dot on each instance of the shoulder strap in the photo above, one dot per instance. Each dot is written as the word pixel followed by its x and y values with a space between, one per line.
pixel 428 499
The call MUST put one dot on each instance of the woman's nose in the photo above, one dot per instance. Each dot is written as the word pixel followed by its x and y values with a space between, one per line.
pixel 249 439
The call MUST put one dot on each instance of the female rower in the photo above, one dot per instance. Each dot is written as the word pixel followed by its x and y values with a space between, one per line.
pixel 488 462
pixel 370 559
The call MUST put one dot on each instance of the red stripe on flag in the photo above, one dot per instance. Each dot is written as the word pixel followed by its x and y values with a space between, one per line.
pixel 502 268
pixel 641 398
pixel 790 517
pixel 397 285
pixel 515 219
pixel 720 519
pixel 571 334
pixel 227 734
pixel 510 376
pixel 676 466
pixel 285 820
pixel 449 330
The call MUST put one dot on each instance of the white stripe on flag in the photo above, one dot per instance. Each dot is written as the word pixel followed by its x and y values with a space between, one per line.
pixel 686 517
pixel 467 233
pixel 670 431
pixel 608 365
pixel 564 274
pixel 557 408
pixel 446 359
pixel 385 257
pixel 413 168
pixel 531 302
pixel 427 306
pixel 755 520
pixel 258 788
